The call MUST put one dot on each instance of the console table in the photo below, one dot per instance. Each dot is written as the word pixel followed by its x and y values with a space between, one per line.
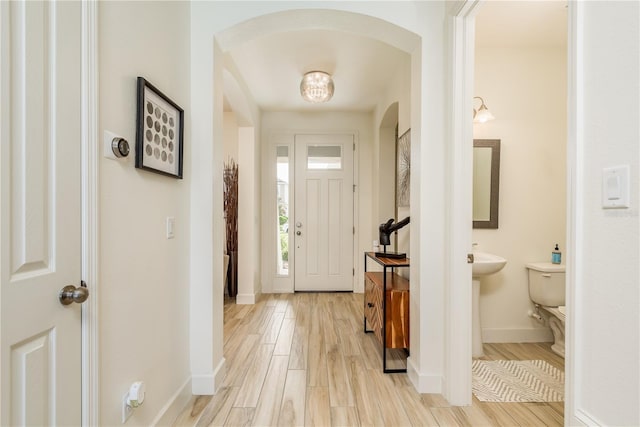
pixel 388 317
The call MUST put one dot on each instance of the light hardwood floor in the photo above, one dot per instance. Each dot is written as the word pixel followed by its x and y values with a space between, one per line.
pixel 303 359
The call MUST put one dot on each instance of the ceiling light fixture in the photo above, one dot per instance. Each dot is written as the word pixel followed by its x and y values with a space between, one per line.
pixel 483 114
pixel 316 86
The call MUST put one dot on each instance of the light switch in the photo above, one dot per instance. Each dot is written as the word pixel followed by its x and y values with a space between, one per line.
pixel 171 224
pixel 615 187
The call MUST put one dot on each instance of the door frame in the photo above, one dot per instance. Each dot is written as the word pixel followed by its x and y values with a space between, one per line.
pixel 458 348
pixel 457 371
pixel 286 137
pixel 573 414
pixel 292 199
pixel 89 159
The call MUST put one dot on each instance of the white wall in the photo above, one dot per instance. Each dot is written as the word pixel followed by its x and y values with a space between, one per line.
pixel 605 373
pixel 398 90
pixel 249 214
pixel 248 118
pixel 361 125
pixel 230 135
pixel 383 179
pixel 241 142
pixel 144 278
pixel 525 89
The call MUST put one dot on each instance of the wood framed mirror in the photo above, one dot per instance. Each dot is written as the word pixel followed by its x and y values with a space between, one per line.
pixel 486 182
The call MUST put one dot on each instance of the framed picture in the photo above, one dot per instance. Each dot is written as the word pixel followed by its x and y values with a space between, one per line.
pixel 403 169
pixel 159 132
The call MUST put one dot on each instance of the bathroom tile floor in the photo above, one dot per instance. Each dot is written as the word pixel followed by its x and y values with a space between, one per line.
pixel 302 359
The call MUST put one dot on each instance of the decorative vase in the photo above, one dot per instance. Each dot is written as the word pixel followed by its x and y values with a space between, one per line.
pixel 230 181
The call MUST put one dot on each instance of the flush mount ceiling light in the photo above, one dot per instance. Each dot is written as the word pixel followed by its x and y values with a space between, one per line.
pixel 483 114
pixel 316 86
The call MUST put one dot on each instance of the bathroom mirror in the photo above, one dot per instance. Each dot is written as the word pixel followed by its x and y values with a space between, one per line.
pixel 486 182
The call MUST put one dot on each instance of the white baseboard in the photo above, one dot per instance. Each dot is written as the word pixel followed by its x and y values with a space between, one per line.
pixel 582 418
pixel 208 385
pixel 423 383
pixel 490 335
pixel 174 406
pixel 248 299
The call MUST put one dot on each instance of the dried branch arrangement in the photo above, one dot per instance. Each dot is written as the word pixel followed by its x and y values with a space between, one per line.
pixel 230 180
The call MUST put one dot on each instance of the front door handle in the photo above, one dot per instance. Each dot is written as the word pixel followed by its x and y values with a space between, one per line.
pixel 298 233
pixel 70 294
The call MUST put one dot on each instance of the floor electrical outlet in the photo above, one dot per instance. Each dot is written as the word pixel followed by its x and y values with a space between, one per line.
pixel 126 409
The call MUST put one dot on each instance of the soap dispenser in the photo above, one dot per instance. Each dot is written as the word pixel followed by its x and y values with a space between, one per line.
pixel 556 255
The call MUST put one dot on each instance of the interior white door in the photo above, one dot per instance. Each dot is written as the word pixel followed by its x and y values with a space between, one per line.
pixel 40 212
pixel 323 226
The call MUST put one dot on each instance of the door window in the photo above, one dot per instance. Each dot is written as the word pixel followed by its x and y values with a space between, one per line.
pixel 282 194
pixel 324 157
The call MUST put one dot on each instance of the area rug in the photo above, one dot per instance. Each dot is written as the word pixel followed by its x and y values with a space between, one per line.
pixel 517 381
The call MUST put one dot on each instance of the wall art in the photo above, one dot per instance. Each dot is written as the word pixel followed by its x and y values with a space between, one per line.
pixel 403 169
pixel 160 130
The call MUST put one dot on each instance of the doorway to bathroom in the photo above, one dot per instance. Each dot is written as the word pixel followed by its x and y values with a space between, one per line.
pixel 520 75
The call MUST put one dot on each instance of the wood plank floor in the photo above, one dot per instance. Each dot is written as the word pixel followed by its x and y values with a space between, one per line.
pixel 302 359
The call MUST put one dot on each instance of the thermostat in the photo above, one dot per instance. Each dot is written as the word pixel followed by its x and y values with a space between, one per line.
pixel 115 146
pixel 120 147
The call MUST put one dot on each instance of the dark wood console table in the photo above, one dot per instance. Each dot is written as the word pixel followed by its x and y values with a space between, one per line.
pixel 388 317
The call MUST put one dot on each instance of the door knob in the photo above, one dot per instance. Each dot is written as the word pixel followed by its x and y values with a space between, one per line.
pixel 298 233
pixel 298 224
pixel 70 294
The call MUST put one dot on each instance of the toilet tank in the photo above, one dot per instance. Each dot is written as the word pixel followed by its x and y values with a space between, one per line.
pixel 546 283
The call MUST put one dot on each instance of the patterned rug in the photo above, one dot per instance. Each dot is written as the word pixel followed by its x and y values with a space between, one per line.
pixel 517 381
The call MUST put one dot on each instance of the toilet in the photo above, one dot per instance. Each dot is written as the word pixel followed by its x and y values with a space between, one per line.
pixel 547 292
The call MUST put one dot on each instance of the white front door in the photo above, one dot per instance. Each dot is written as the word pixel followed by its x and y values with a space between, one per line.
pixel 323 226
pixel 40 212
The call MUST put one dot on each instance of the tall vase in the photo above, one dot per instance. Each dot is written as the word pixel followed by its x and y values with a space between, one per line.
pixel 232 274
pixel 230 179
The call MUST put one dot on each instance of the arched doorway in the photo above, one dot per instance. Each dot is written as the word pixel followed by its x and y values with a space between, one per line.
pixel 214 34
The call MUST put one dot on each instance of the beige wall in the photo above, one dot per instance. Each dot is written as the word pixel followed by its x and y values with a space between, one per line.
pixel 525 89
pixel 144 278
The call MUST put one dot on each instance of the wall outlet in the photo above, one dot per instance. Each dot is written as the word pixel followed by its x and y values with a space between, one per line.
pixel 126 409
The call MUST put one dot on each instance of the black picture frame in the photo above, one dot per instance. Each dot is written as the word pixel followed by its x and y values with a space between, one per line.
pixel 159 131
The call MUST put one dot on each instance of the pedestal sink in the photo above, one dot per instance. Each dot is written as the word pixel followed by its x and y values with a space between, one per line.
pixel 483 265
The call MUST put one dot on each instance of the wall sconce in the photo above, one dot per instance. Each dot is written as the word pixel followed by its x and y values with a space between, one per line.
pixel 482 114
